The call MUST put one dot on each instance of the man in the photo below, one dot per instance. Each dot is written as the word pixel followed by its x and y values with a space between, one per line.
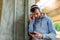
pixel 41 26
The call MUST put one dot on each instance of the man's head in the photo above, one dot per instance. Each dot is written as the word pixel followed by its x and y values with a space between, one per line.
pixel 35 10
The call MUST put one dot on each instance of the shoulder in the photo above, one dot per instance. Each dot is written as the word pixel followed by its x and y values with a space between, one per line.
pixel 47 18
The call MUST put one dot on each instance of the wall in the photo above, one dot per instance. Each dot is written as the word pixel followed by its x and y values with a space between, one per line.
pixel 6 28
pixel 0 8
pixel 14 19
pixel 19 19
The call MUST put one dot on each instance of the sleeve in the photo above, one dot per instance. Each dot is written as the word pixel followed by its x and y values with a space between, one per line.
pixel 30 26
pixel 52 31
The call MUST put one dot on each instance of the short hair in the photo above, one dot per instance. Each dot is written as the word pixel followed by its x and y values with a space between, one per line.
pixel 34 7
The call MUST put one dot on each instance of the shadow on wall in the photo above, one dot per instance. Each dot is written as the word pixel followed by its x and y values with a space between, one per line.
pixel 19 28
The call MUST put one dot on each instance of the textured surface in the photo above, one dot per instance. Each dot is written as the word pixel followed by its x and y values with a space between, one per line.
pixel 6 29
pixel 0 8
pixel 19 20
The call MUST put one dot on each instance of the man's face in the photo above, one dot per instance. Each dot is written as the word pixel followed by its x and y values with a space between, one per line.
pixel 37 13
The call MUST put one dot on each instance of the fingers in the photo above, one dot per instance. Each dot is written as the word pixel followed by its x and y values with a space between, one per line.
pixel 31 17
pixel 32 35
pixel 35 32
pixel 37 35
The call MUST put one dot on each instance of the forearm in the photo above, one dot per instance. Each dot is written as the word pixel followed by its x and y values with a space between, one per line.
pixel 31 26
pixel 49 36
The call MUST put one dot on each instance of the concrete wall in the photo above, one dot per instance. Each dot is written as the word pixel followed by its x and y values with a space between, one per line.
pixel 19 20
pixel 0 8
pixel 28 4
pixel 6 28
pixel 13 19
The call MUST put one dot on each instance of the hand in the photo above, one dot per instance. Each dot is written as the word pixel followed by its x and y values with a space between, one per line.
pixel 31 18
pixel 32 35
pixel 37 35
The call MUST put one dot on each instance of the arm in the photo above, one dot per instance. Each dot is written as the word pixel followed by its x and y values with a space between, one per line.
pixel 31 26
pixel 52 32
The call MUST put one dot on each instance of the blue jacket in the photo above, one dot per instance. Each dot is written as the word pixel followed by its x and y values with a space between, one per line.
pixel 44 26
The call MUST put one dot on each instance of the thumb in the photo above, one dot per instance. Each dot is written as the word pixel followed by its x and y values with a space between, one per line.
pixel 35 32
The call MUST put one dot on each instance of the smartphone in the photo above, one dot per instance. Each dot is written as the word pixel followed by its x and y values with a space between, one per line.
pixel 33 33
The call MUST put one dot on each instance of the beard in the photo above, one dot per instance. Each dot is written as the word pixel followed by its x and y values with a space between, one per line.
pixel 37 17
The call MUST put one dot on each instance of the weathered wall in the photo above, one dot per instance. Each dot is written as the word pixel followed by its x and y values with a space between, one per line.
pixel 6 28
pixel 0 8
pixel 28 4
pixel 19 19
pixel 13 19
